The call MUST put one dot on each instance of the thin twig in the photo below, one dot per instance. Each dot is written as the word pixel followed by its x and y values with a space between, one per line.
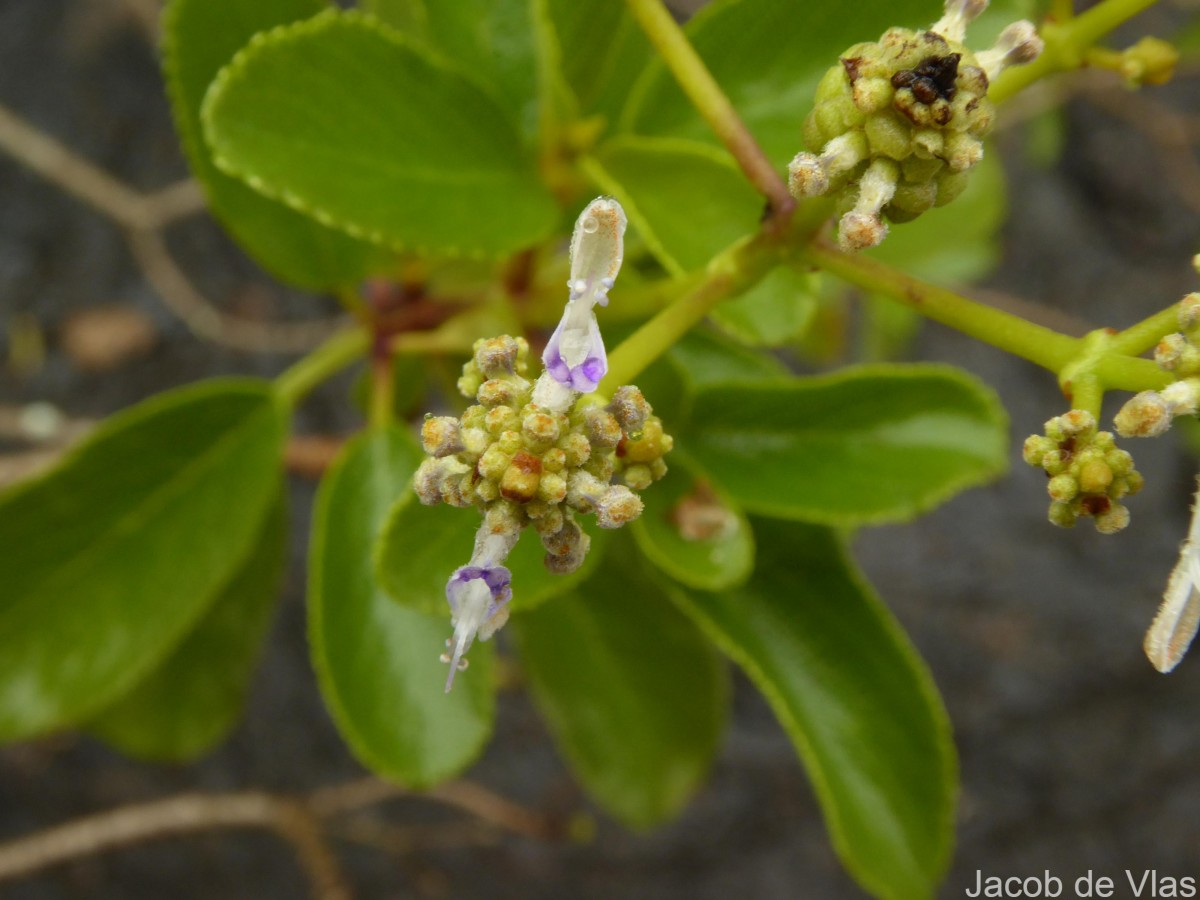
pixel 299 820
pixel 184 814
pixel 183 299
pixel 405 839
pixel 711 102
pixel 91 184
pixel 143 216
pixel 491 807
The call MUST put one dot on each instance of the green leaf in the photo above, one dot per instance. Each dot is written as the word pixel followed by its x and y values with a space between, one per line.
pixel 420 546
pixel 113 557
pixel 190 702
pixel 692 533
pixel 768 57
pixel 341 118
pixel 199 37
pixel 377 661
pixel 854 697
pixel 493 41
pixel 774 312
pixel 866 445
pixel 687 199
pixel 635 697
pixel 602 52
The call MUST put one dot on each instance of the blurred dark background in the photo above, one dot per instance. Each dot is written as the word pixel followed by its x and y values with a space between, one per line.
pixel 1075 753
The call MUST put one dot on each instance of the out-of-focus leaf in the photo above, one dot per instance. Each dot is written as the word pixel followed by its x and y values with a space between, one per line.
pixel 376 660
pixel 703 358
pixel 111 558
pixel 768 57
pixel 774 312
pixel 887 329
pixel 693 534
pixel 341 118
pixel 199 37
pixel 687 199
pixel 957 242
pixel 601 51
pixel 866 445
pixel 421 546
pixel 410 379
pixel 855 699
pixel 188 704
pixel 634 695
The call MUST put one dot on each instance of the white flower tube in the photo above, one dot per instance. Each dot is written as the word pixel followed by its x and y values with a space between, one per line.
pixel 1178 617
pixel 575 359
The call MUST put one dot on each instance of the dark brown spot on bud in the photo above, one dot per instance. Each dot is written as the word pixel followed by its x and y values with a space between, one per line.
pixel 935 78
pixel 1096 504
pixel 527 463
pixel 852 67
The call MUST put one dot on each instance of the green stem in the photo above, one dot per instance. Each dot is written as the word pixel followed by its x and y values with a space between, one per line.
pixel 708 98
pixel 1090 365
pixel 293 384
pixel 1066 44
pixel 1137 339
pixel 381 410
pixel 1010 333
pixel 735 269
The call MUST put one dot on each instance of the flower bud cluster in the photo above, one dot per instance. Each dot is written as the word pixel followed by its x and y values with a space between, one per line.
pixel 898 123
pixel 1088 474
pixel 527 465
pixel 1151 61
pixel 1150 413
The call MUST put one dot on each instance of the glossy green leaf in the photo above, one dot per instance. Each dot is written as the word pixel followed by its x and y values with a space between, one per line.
pixel 768 57
pixel 854 697
pixel 342 118
pixel 692 533
pixel 494 41
pixel 111 558
pixel 377 661
pixel 420 546
pixel 687 200
pixel 602 51
pixel 866 445
pixel 634 695
pixel 774 312
pixel 190 702
pixel 199 37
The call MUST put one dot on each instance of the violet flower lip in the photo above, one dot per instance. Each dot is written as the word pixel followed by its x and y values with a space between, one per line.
pixel 575 355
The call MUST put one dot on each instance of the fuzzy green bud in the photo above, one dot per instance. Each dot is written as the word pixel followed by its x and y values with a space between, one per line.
pixel 1062 488
pixel 911 95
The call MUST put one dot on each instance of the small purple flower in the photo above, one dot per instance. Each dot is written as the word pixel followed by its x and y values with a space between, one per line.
pixel 498 580
pixel 574 363
pixel 574 356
